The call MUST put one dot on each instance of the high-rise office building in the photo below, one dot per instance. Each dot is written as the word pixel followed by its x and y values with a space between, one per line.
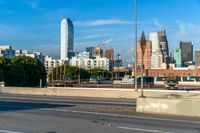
pixel 91 51
pixel 67 38
pixel 197 58
pixel 98 52
pixel 154 38
pixel 147 53
pixel 177 57
pixel 156 56
pixel 163 43
pixel 109 54
pixel 187 52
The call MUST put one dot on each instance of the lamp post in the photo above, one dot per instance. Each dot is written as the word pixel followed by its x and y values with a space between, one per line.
pixel 143 48
pixel 135 25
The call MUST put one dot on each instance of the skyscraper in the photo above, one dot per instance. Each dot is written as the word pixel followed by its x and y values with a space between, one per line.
pixel 197 58
pixel 109 54
pixel 177 57
pixel 187 52
pixel 67 38
pixel 98 52
pixel 163 43
pixel 147 54
pixel 156 56
pixel 91 51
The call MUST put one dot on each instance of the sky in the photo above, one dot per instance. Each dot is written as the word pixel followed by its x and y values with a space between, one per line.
pixel 35 24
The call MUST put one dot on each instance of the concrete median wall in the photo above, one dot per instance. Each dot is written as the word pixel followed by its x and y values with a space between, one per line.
pixel 94 92
pixel 184 107
pixel 76 92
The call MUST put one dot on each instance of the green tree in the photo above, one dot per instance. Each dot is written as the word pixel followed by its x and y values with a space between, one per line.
pixel 22 71
pixel 69 71
pixel 98 72
pixel 3 65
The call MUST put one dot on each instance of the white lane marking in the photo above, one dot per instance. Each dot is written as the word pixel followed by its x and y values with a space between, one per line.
pixel 6 131
pixel 127 116
pixel 144 130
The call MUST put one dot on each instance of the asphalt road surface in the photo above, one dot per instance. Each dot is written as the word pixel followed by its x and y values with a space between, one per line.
pixel 42 114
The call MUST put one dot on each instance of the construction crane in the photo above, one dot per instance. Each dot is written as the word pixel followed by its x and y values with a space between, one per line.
pixel 104 43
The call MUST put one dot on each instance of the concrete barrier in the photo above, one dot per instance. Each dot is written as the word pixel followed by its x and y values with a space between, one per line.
pixel 71 91
pixel 173 106
pixel 95 92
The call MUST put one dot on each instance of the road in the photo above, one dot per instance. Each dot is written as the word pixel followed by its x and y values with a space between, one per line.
pixel 42 114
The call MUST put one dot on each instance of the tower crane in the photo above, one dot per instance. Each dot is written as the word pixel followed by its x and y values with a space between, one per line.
pixel 104 43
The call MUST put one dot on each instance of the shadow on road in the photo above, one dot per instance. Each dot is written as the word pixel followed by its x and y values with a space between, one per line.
pixel 15 106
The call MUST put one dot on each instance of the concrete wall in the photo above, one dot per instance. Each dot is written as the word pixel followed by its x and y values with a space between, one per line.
pixel 76 92
pixel 95 92
pixel 184 107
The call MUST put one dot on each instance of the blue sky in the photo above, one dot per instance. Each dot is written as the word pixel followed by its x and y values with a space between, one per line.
pixel 35 24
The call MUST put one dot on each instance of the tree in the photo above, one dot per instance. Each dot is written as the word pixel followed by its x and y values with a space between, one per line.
pixel 98 72
pixel 3 65
pixel 68 71
pixel 22 71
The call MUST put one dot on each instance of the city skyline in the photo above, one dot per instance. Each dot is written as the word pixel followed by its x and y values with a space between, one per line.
pixel 42 22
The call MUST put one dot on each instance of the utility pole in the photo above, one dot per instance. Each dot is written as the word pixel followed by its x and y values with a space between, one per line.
pixel 135 25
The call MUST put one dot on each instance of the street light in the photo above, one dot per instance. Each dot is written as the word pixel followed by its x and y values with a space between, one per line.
pixel 143 48
pixel 135 25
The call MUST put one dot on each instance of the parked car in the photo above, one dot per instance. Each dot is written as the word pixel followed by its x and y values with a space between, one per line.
pixel 171 83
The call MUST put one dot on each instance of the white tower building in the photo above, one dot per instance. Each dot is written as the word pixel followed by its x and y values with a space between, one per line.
pixel 156 57
pixel 67 38
pixel 155 42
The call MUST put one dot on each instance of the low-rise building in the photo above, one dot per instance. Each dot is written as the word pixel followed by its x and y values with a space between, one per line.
pixel 50 63
pixel 83 60
pixel 7 51
pixel 37 55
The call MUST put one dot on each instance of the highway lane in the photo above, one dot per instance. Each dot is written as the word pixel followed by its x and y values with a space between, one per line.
pixel 67 100
pixel 19 115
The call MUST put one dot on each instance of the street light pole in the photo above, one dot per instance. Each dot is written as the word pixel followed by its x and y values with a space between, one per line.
pixel 135 25
pixel 143 48
pixel 142 81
